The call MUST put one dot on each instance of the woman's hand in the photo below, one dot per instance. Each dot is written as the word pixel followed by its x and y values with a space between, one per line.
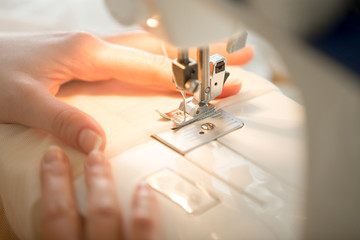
pixel 61 219
pixel 33 67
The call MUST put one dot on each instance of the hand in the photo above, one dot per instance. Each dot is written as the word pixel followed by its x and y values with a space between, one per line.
pixel 33 67
pixel 61 219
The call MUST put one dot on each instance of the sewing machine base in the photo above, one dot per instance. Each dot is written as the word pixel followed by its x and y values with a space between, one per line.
pixel 191 136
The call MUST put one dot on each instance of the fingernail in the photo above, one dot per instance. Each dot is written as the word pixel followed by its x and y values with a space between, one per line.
pixel 89 140
pixel 95 158
pixel 52 155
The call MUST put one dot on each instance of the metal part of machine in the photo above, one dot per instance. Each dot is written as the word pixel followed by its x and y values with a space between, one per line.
pixel 205 79
pixel 185 72
pixel 209 128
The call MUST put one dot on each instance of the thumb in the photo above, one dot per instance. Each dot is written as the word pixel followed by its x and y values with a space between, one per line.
pixel 36 107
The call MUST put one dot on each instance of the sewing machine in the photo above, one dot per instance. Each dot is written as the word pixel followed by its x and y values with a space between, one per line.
pixel 205 78
pixel 197 23
pixel 247 184
pixel 223 192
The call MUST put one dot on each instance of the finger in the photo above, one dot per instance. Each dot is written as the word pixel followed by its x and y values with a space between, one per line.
pixel 103 211
pixel 108 61
pixel 146 42
pixel 145 214
pixel 145 69
pixel 34 106
pixel 143 41
pixel 133 66
pixel 92 59
pixel 60 218
pixel 141 68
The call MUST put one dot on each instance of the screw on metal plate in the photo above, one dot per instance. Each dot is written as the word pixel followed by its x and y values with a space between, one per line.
pixel 208 126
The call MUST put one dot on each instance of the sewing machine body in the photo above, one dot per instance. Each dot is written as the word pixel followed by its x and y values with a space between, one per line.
pixel 331 94
pixel 247 184
pixel 212 184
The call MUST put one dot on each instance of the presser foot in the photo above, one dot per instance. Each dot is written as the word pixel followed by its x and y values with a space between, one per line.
pixel 193 112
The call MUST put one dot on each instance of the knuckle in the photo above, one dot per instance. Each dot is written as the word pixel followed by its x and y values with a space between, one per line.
pixel 105 208
pixel 81 37
pixel 59 210
pixel 61 123
pixel 83 47
pixel 143 222
pixel 82 43
pixel 59 171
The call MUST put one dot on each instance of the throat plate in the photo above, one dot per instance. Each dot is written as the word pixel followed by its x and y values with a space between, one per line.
pixel 191 136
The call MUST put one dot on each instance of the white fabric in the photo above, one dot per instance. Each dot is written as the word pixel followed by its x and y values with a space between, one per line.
pixel 262 160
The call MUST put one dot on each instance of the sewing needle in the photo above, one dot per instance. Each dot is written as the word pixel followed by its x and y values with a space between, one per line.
pixel 184 101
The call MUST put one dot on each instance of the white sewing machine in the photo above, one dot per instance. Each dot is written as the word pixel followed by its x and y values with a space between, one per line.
pixel 247 184
pixel 327 89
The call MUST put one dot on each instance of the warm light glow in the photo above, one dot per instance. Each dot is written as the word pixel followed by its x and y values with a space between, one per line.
pixel 181 201
pixel 152 22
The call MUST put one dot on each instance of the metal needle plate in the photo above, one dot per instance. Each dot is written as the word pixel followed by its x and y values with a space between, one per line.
pixel 198 133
